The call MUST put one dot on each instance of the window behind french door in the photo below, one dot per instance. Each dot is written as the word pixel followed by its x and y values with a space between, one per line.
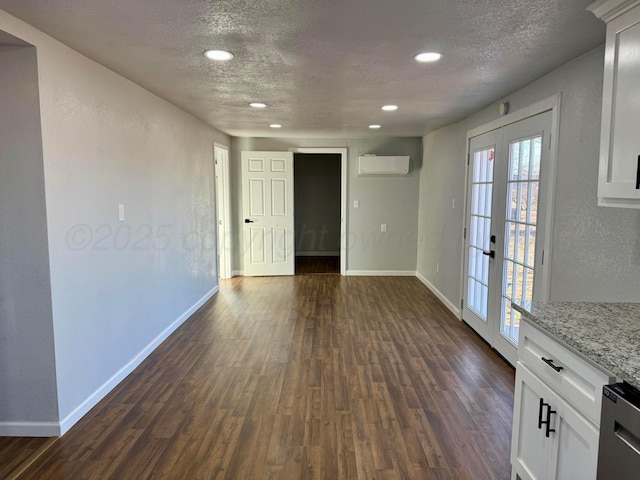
pixel 503 243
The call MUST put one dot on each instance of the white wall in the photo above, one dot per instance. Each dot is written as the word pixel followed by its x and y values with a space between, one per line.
pixel 27 361
pixel 386 199
pixel 595 250
pixel 118 288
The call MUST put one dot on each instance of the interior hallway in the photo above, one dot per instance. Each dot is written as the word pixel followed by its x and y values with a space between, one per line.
pixel 305 377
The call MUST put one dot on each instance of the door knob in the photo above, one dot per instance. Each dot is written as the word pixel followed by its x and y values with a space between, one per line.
pixel 246 220
pixel 491 254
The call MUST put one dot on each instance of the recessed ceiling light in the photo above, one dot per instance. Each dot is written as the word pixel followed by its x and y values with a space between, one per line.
pixel 218 55
pixel 390 108
pixel 374 126
pixel 275 125
pixel 258 105
pixel 428 57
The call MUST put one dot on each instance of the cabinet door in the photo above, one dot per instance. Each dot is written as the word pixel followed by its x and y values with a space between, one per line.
pixel 530 448
pixel 575 456
pixel 619 177
pixel 570 452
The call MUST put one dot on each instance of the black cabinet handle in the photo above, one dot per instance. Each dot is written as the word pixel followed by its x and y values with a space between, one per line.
pixel 542 404
pixel 246 220
pixel 548 422
pixel 549 361
pixel 638 175
pixel 491 254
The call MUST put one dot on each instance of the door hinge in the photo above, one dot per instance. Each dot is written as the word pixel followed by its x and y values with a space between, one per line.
pixel 550 141
pixel 465 233
pixel 542 262
pixel 461 303
pixel 468 159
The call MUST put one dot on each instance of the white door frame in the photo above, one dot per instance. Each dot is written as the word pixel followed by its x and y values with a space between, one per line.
pixel 343 197
pixel 223 210
pixel 548 104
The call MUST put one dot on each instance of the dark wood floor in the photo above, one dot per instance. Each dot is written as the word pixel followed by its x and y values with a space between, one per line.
pixel 305 377
pixel 308 265
pixel 17 453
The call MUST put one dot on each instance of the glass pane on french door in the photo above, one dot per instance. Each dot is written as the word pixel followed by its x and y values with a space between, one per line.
pixel 479 232
pixel 520 228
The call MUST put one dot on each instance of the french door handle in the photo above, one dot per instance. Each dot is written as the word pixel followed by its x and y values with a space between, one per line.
pixel 638 175
pixel 491 254
pixel 246 220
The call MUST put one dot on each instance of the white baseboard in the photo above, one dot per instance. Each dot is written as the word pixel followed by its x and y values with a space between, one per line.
pixel 110 384
pixel 381 273
pixel 237 273
pixel 455 310
pixel 317 254
pixel 29 429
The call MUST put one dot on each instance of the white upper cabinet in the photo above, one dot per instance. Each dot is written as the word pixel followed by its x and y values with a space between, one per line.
pixel 619 174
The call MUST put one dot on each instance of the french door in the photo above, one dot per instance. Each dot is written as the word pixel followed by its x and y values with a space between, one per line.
pixel 504 235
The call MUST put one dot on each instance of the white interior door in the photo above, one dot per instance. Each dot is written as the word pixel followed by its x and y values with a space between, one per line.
pixel 223 209
pixel 267 206
pixel 505 233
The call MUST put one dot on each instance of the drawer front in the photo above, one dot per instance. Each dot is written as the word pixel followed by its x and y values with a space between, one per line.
pixel 576 380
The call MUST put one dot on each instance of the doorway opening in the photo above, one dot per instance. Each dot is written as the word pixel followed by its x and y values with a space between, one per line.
pixel 317 194
pixel 268 227
pixel 341 155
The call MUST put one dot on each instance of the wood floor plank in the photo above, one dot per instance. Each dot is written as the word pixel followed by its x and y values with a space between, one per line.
pixel 306 377
pixel 17 454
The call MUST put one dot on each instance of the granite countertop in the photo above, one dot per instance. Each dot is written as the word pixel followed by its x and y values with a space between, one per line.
pixel 607 334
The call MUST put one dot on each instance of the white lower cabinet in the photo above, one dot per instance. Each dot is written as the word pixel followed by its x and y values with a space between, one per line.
pixel 551 439
pixel 556 415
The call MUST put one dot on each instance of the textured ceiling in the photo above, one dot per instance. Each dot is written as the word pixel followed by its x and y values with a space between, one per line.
pixel 324 67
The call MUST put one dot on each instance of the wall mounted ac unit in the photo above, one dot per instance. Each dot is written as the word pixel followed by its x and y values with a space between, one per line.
pixel 379 165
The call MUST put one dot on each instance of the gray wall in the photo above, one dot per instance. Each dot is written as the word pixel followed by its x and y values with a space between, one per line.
pixel 386 199
pixel 595 250
pixel 27 360
pixel 440 221
pixel 317 202
pixel 117 288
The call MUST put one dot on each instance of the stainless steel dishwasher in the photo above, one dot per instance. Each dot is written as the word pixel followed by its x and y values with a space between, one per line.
pixel 619 450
